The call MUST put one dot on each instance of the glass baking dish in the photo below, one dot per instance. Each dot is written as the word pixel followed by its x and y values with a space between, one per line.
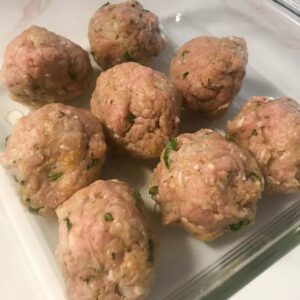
pixel 186 268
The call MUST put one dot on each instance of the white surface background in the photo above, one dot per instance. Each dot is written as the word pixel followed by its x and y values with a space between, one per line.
pixel 17 280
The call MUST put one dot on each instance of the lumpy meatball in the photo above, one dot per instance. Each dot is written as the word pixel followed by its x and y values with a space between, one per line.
pixel 208 72
pixel 124 32
pixel 42 67
pixel 270 130
pixel 206 184
pixel 53 152
pixel 106 244
pixel 138 108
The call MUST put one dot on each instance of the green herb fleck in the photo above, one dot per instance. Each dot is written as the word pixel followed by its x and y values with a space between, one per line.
pixel 169 148
pixel 128 56
pixel 131 117
pixel 6 140
pixel 254 132
pixel 108 217
pixel 92 163
pixel 30 208
pixel 146 10
pixel 107 3
pixel 15 178
pixel 185 52
pixel 185 75
pixel 239 225
pixel 153 190
pixel 253 176
pixel 54 176
pixel 68 223
pixel 72 75
pixel 150 258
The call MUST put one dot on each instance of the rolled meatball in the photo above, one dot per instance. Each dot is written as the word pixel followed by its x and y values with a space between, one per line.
pixel 206 184
pixel 208 72
pixel 106 244
pixel 270 130
pixel 42 67
pixel 124 32
pixel 53 152
pixel 138 108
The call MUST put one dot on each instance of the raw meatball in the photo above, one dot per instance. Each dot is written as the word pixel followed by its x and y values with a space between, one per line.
pixel 208 72
pixel 138 108
pixel 106 243
pixel 270 130
pixel 124 32
pixel 206 184
pixel 53 152
pixel 42 67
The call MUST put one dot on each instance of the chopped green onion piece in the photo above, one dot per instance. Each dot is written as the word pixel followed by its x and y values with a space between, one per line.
pixel 108 217
pixel 239 225
pixel 54 176
pixel 153 190
pixel 92 163
pixel 169 148
pixel 68 223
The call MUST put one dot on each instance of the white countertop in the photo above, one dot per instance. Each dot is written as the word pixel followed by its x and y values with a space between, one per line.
pixel 280 281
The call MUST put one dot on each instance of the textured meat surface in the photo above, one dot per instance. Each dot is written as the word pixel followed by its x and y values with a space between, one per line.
pixel 208 72
pixel 207 184
pixel 124 32
pixel 138 108
pixel 52 153
pixel 270 130
pixel 106 244
pixel 42 67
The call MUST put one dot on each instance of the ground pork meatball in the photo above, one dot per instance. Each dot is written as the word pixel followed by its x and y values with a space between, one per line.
pixel 206 184
pixel 124 32
pixel 53 152
pixel 270 130
pixel 106 243
pixel 42 67
pixel 138 108
pixel 208 72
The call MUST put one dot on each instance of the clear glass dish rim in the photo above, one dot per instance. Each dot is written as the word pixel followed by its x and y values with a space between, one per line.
pixel 233 271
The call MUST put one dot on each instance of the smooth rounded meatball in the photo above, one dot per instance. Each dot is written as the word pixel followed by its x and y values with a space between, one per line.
pixel 106 244
pixel 208 72
pixel 270 130
pixel 53 152
pixel 42 67
pixel 206 184
pixel 138 108
pixel 124 32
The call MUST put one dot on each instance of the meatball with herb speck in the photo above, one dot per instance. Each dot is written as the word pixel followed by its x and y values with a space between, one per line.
pixel 53 152
pixel 206 184
pixel 270 130
pixel 138 108
pixel 42 67
pixel 124 32
pixel 106 244
pixel 208 72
